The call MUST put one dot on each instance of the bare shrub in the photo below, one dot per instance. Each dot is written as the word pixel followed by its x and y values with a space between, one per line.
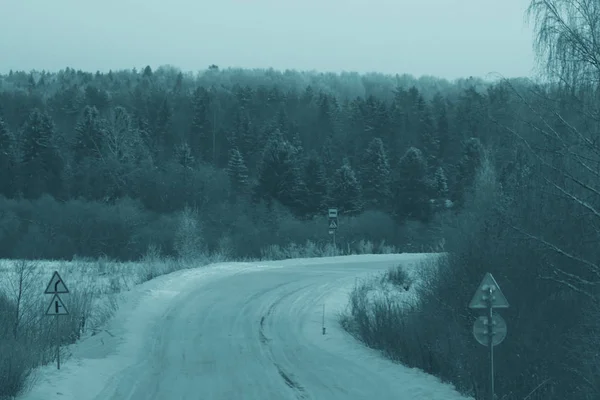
pixel 384 322
pixel 16 361
pixel 399 277
pixel 22 281
pixel 15 367
pixel 189 244
pixel 365 247
pixel 225 250
pixel 153 264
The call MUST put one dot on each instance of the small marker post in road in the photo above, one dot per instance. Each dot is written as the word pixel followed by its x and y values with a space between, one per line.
pixel 56 307
pixel 489 330
pixel 323 318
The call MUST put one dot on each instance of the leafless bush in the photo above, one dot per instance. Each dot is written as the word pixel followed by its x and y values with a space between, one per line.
pixel 22 280
pixel 16 361
pixel 188 238
pixel 153 264
pixel 225 250
pixel 399 277
pixel 383 322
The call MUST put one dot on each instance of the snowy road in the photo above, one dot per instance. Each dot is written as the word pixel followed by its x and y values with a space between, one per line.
pixel 241 333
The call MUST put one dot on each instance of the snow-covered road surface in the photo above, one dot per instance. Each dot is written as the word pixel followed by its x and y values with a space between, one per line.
pixel 238 331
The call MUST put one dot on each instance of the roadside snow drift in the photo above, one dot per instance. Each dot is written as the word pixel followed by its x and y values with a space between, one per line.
pixel 238 331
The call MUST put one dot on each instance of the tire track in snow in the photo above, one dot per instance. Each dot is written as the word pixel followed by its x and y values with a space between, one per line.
pixel 288 378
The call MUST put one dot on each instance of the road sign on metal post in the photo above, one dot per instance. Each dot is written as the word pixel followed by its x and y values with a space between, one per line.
pixel 56 307
pixel 56 285
pixel 489 330
pixel 480 330
pixel 482 295
pixel 333 222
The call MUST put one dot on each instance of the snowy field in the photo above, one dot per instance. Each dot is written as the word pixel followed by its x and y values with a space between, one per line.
pixel 231 331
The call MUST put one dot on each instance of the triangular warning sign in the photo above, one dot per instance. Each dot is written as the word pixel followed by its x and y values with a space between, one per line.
pixel 56 307
pixel 332 224
pixel 56 285
pixel 481 297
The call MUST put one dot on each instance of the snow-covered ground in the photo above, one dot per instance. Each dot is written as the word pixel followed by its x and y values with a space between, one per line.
pixel 238 331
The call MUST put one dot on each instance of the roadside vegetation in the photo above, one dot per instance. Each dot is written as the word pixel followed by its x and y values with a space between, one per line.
pixel 531 219
pixel 28 337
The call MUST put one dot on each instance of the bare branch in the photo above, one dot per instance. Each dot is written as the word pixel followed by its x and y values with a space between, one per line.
pixel 556 135
pixel 566 41
pixel 566 175
pixel 594 268
pixel 577 200
pixel 570 286
pixel 536 389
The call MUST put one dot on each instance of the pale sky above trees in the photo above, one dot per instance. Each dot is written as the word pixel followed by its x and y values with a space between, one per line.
pixel 445 38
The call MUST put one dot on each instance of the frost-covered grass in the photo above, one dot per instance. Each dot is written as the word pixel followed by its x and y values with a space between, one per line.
pixel 381 308
pixel 312 249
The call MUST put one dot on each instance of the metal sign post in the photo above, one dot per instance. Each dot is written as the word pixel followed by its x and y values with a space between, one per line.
pixel 56 307
pixel 489 330
pixel 333 223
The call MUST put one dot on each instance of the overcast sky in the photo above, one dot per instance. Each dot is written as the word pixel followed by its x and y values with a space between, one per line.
pixel 445 38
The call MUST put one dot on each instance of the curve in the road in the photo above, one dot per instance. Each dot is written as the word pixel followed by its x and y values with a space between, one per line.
pixel 256 333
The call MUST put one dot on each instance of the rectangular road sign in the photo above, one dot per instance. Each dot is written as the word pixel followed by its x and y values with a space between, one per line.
pixel 481 298
pixel 56 285
pixel 333 224
pixel 333 213
pixel 57 307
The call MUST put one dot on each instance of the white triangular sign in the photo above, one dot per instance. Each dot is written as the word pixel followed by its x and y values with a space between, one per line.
pixel 56 307
pixel 56 285
pixel 481 296
pixel 332 225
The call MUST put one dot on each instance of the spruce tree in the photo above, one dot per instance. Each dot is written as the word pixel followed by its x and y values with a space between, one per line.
pixel 41 164
pixel 201 128
pixel 237 172
pixel 412 200
pixel 88 135
pixel 467 168
pixel 184 156
pixel 376 175
pixel 440 189
pixel 163 137
pixel 8 161
pixel 440 184
pixel 316 186
pixel 279 176
pixel 428 135
pixel 346 191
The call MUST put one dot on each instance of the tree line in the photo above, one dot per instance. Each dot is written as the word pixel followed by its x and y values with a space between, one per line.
pixel 146 144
